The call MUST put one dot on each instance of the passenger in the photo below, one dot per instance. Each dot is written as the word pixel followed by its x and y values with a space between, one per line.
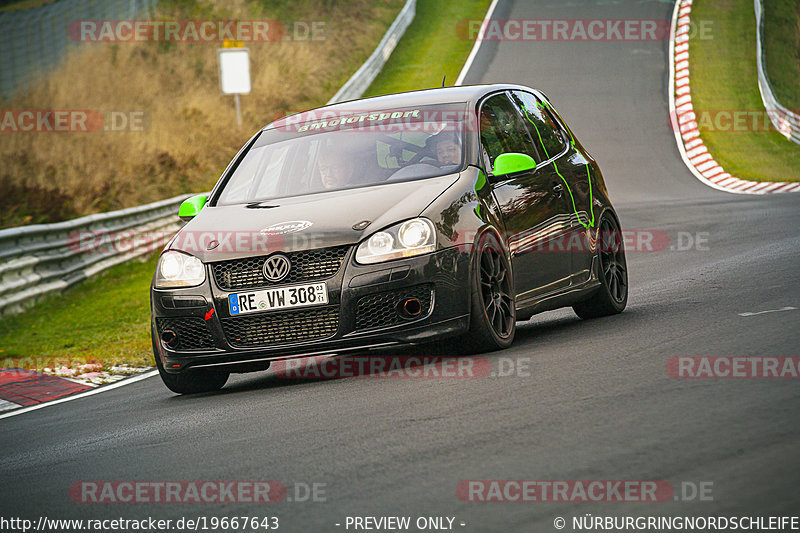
pixel 447 150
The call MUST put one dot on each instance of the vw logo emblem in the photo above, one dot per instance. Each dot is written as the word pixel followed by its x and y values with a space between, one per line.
pixel 277 267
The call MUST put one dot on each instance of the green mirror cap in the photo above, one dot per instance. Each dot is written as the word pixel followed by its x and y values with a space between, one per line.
pixel 513 162
pixel 480 183
pixel 192 206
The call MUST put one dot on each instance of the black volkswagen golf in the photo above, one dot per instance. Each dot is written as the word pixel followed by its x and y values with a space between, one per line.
pixel 407 218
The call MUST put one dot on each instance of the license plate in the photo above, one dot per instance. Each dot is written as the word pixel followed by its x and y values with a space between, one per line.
pixel 280 298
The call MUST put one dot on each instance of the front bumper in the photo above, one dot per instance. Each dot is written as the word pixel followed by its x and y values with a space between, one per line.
pixel 357 316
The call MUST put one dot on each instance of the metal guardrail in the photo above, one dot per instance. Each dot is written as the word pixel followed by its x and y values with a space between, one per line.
pixel 784 120
pixel 364 76
pixel 39 259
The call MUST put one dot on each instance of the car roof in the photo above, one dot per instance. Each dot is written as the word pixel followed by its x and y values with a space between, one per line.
pixel 439 95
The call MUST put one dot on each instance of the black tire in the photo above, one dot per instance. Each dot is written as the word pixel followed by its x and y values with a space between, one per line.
pixel 191 382
pixel 492 323
pixel 612 296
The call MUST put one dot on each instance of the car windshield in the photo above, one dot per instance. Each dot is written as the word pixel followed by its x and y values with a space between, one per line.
pixel 332 151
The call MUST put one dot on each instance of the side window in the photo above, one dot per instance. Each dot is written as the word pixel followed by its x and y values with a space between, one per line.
pixel 544 129
pixel 502 130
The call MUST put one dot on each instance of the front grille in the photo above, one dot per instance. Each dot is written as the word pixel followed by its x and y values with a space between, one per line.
pixel 190 333
pixel 382 309
pixel 282 327
pixel 306 265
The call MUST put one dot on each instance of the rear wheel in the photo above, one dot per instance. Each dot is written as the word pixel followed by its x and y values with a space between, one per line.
pixel 493 314
pixel 612 296
pixel 191 382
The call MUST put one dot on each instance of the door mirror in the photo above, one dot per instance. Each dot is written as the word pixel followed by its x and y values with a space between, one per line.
pixel 513 162
pixel 191 206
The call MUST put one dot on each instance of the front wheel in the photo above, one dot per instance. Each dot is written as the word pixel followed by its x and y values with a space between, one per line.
pixel 493 315
pixel 612 296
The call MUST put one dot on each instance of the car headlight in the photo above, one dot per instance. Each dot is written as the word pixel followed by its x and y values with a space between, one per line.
pixel 412 237
pixel 176 269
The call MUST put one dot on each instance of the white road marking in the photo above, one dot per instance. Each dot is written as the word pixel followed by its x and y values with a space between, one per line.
pixel 789 308
pixel 98 390
pixel 477 45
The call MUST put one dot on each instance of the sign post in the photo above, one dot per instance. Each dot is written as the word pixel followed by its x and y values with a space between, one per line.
pixel 234 75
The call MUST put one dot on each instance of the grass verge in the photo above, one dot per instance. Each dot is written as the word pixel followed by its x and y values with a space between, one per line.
pixel 104 320
pixel 431 48
pixel 724 83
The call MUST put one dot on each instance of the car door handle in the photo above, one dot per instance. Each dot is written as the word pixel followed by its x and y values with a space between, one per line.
pixel 558 189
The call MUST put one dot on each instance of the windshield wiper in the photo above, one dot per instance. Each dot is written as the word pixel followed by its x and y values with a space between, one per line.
pixel 260 205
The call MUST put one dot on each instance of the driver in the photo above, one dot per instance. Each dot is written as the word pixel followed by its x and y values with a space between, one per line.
pixel 336 169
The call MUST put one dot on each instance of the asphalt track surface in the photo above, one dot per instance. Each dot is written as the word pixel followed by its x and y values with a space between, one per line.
pixel 598 403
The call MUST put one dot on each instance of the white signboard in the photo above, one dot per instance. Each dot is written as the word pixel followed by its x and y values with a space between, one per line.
pixel 234 70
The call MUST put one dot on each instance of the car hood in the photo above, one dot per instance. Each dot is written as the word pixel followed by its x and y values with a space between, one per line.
pixel 304 222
